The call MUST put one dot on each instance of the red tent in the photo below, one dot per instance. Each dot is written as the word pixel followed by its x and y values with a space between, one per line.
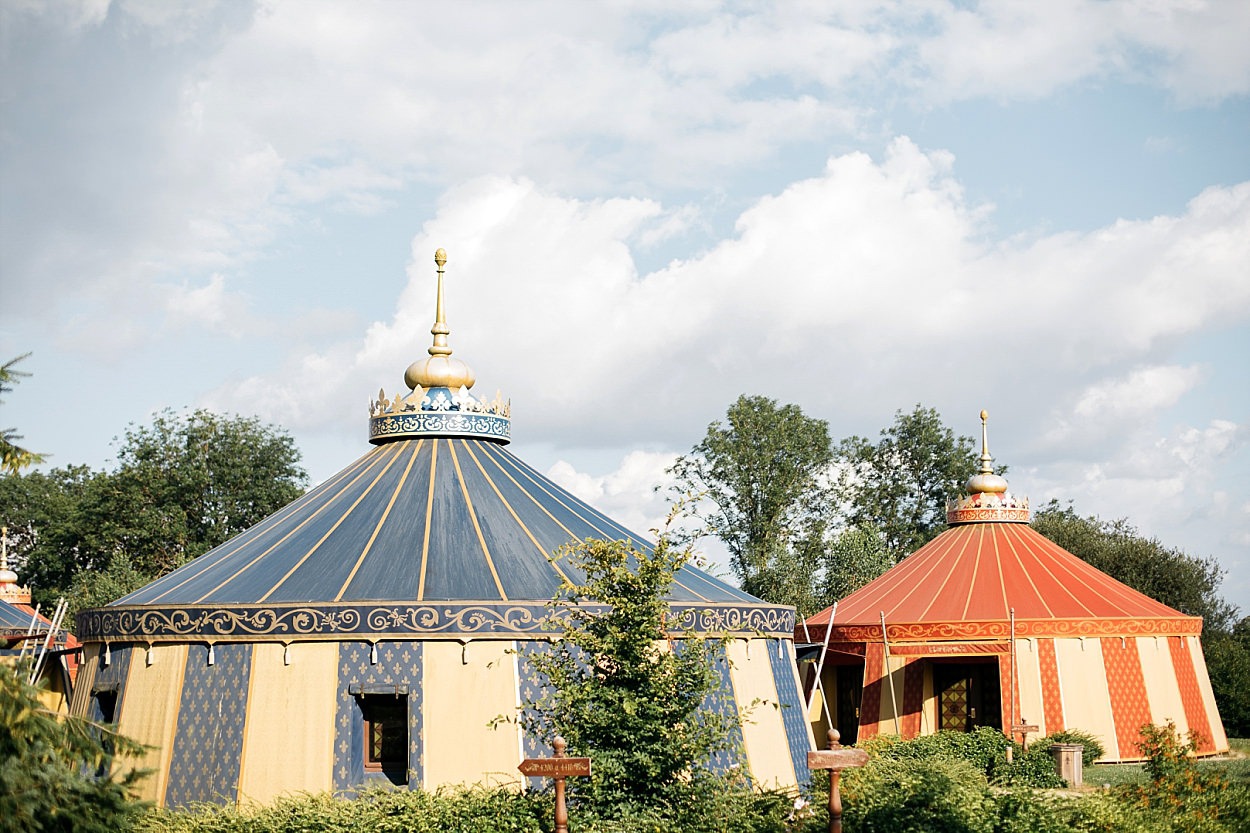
pixel 991 608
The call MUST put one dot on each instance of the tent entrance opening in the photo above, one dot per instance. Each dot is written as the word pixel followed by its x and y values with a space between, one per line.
pixel 968 694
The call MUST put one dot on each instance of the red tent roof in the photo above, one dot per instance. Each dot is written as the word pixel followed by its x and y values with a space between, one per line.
pixel 979 572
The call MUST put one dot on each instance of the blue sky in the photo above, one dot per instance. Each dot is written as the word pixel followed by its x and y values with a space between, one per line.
pixel 649 209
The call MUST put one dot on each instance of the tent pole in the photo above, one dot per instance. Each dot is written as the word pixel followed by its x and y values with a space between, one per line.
pixel 1012 674
pixel 889 676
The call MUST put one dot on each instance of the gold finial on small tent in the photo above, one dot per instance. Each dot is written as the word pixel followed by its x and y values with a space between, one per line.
pixel 987 462
pixel 985 481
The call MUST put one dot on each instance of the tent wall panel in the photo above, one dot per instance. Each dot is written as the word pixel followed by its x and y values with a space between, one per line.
pixel 1198 708
pixel 1219 740
pixel 785 672
pixel 151 711
pixel 1087 704
pixel 208 744
pixel 1029 687
pixel 531 685
pixel 1052 711
pixel 892 703
pixel 277 760
pixel 397 666
pixel 1008 696
pixel 81 705
pixel 1129 707
pixel 929 716
pixel 721 700
pixel 871 701
pixel 467 687
pixel 913 696
pixel 751 672
pixel 1162 688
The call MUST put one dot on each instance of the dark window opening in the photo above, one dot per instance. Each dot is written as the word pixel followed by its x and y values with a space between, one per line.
pixel 386 735
pixel 105 705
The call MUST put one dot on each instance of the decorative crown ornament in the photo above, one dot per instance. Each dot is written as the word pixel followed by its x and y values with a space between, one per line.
pixel 439 402
pixel 987 499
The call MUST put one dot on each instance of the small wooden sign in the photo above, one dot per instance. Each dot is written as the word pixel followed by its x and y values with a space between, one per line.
pixel 835 759
pixel 558 768
pixel 1022 728
pixel 555 767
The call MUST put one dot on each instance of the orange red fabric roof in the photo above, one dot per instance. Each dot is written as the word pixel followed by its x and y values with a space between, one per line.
pixel 979 572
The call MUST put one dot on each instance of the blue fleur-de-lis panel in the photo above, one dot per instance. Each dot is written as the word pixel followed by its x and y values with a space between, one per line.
pixel 721 701
pixel 793 707
pixel 398 667
pixel 208 743
pixel 110 678
pixel 533 687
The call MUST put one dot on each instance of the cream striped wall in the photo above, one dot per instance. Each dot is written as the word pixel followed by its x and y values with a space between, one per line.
pixel 278 757
pixel 149 714
pixel 1216 728
pixel 288 735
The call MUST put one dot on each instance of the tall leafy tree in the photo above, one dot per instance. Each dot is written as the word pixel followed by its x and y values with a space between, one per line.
pixel 854 557
pixel 616 691
pixel 901 483
pixel 184 484
pixel 762 475
pixel 1170 575
pixel 13 458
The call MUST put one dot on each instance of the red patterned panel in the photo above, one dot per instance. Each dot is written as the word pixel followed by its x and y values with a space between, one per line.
pixel 1052 699
pixel 1006 689
pixel 913 697
pixel 1130 709
pixel 870 704
pixel 1191 695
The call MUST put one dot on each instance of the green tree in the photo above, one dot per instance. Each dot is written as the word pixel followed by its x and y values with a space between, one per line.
pixel 1228 663
pixel 13 458
pixel 900 485
pixel 48 764
pixel 183 485
pixel 615 693
pixel 194 480
pixel 763 474
pixel 1185 582
pixel 853 558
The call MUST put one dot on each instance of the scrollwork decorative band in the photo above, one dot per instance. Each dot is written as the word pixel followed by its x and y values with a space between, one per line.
pixel 451 620
pixel 442 424
pixel 1025 628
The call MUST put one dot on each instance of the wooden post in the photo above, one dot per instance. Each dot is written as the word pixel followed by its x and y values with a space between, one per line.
pixel 557 768
pixel 835 759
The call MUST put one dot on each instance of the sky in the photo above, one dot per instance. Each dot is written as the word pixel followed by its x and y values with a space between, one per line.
pixel 649 209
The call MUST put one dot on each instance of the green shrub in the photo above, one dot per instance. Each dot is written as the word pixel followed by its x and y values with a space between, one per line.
pixel 981 748
pixel 1034 768
pixel 1093 747
pixel 912 795
pixel 47 763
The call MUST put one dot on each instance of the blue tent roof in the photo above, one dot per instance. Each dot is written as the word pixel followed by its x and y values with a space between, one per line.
pixel 415 520
pixel 13 619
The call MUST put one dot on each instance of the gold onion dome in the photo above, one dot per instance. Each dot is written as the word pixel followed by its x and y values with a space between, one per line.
pixel 439 402
pixel 987 498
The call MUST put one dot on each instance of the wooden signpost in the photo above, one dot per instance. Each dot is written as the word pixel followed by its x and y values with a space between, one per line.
pixel 835 759
pixel 558 768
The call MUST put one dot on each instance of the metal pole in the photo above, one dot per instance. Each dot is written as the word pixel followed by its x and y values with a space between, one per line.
pixel 889 677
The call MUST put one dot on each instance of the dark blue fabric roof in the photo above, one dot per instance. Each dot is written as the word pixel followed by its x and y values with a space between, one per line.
pixel 15 619
pixel 413 520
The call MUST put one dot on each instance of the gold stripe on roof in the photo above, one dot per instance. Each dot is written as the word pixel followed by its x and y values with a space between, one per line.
pixel 468 502
pixel 584 520
pixel 280 541
pixel 429 518
pixel 332 529
pixel 399 488
pixel 520 523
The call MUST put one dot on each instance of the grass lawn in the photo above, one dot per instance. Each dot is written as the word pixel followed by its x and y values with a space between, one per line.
pixel 1235 767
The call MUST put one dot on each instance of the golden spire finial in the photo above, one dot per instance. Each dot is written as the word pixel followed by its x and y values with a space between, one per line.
pixel 440 330
pixel 987 462
pixel 439 370
pixel 985 481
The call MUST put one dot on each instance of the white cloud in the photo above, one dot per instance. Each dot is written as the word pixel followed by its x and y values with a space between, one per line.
pixel 211 305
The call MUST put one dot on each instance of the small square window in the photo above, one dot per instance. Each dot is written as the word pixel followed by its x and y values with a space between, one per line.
pixel 386 735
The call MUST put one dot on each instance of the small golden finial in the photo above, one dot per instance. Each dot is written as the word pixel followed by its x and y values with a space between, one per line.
pixel 439 370
pixel 987 462
pixel 985 481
